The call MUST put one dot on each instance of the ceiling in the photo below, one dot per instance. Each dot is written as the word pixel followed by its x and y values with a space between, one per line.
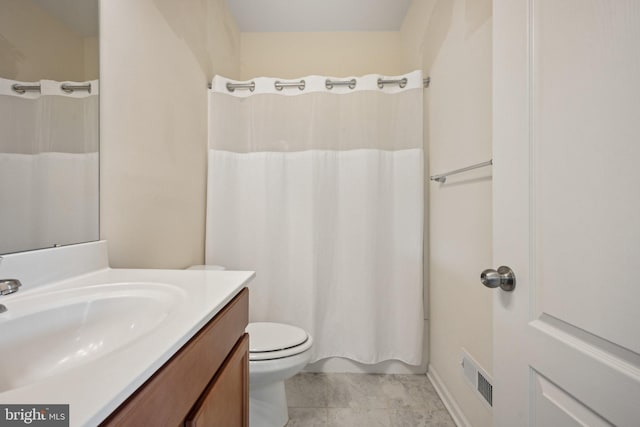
pixel 318 15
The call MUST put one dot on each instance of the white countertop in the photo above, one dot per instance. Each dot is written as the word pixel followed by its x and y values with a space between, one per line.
pixel 95 389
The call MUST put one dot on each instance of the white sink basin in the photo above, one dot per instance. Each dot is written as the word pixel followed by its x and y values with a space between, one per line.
pixel 46 333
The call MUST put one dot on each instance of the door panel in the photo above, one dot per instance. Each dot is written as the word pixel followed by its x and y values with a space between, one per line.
pixel 554 407
pixel 566 211
pixel 586 106
pixel 591 371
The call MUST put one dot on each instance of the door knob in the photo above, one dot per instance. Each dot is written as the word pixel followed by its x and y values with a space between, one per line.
pixel 504 278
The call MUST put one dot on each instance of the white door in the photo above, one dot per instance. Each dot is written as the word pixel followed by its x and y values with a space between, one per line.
pixel 567 212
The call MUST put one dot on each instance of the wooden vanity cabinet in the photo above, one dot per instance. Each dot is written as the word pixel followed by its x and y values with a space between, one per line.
pixel 206 383
pixel 224 402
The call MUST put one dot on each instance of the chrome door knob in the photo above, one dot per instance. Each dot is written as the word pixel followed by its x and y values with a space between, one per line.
pixel 505 278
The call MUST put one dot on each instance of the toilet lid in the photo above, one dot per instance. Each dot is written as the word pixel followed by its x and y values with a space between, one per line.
pixel 268 337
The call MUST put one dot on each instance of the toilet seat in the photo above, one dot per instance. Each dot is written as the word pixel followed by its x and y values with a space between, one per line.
pixel 269 341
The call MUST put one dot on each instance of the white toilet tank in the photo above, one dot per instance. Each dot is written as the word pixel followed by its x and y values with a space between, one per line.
pixel 206 267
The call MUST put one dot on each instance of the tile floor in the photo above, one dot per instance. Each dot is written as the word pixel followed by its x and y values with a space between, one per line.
pixel 364 400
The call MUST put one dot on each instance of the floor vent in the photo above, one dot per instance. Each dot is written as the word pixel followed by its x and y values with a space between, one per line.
pixel 477 378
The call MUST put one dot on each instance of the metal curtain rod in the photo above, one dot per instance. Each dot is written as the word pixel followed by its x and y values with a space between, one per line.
pixel 280 85
pixel 70 88
pixel 442 178
pixel 233 86
pixel 24 88
pixel 401 82
pixel 64 86
pixel 329 84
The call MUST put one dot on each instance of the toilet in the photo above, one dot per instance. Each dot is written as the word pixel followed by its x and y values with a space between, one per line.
pixel 277 351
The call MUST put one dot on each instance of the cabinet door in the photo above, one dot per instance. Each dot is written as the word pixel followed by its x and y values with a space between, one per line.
pixel 225 402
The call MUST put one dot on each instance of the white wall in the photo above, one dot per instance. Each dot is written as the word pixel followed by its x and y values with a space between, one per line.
pixel 451 41
pixel 157 57
pixel 338 54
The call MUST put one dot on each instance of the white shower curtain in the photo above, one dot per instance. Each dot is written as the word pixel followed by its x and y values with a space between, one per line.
pixel 320 191
pixel 48 165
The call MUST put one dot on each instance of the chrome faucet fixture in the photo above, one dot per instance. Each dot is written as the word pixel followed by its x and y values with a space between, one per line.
pixel 9 286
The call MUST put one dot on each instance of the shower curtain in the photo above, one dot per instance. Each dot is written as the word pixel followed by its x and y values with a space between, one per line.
pixel 318 187
pixel 48 165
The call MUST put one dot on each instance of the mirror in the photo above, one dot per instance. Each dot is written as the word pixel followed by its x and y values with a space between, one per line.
pixel 49 158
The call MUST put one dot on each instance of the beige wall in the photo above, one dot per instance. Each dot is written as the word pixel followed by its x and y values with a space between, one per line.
pixel 91 58
pixel 451 40
pixel 338 54
pixel 34 45
pixel 157 57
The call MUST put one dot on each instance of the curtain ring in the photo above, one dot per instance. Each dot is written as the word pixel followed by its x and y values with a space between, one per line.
pixel 66 89
pixel 18 88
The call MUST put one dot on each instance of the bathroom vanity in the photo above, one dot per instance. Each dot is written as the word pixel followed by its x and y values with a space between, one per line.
pixel 125 347
pixel 204 384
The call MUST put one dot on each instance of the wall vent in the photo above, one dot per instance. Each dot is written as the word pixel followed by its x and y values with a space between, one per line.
pixel 485 389
pixel 477 378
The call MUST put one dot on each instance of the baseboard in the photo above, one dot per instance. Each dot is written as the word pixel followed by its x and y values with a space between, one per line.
pixel 338 364
pixel 447 399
